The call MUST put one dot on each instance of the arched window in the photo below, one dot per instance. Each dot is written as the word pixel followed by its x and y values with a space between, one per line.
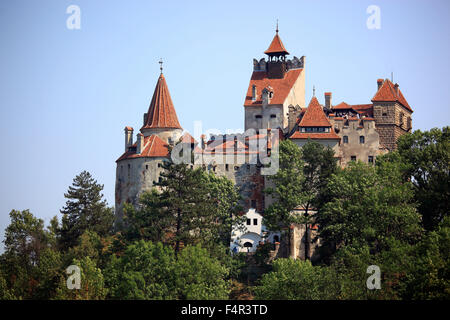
pixel 345 138
pixel 361 139
pixel 248 245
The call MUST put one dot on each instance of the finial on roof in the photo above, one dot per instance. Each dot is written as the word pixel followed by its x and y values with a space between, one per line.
pixel 160 65
pixel 392 76
pixel 277 26
pixel 314 91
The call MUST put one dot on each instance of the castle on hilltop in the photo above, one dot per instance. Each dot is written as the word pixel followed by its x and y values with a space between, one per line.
pixel 274 106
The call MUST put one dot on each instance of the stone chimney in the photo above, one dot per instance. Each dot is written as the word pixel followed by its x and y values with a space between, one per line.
pixel 128 137
pixel 379 83
pixel 328 100
pixel 140 143
pixel 203 141
pixel 396 89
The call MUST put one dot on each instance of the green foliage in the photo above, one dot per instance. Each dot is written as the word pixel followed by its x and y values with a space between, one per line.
pixel 144 271
pixel 199 276
pixel 92 283
pixel 84 210
pixel 430 275
pixel 427 156
pixel 25 237
pixel 150 271
pixel 298 280
pixel 369 207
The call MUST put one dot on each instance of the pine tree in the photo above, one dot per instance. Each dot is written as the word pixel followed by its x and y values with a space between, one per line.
pixel 84 210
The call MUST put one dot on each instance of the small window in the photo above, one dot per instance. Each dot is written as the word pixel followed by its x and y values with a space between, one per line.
pixel 276 238
pixel 146 167
pixel 345 138
pixel 255 222
pixel 273 115
pixel 258 116
pixel 254 204
pixel 370 159
pixel 227 167
pixel 248 245
pixel 353 158
pixel 160 179
pixel 159 165
pixel 249 222
pixel 236 168
pixel 384 114
pixel 361 139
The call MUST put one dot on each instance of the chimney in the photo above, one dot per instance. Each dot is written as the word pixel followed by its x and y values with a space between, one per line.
pixel 328 100
pixel 253 93
pixel 203 140
pixel 140 143
pixel 235 143
pixel 379 83
pixel 128 137
pixel 396 89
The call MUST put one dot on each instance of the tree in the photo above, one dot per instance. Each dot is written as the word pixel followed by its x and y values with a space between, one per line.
pixel 429 277
pixel 84 210
pixel 191 207
pixel 199 276
pixel 369 206
pixel 319 165
pixel 25 237
pixel 287 190
pixel 427 155
pixel 144 271
pixel 298 280
pixel 91 284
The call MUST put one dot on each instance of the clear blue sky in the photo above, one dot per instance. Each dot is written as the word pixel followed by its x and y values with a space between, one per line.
pixel 66 95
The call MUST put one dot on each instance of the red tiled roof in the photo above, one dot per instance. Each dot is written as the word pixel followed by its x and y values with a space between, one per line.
pixel 154 146
pixel 314 116
pixel 161 112
pixel 276 46
pixel 280 87
pixel 187 138
pixel 388 93
pixel 342 106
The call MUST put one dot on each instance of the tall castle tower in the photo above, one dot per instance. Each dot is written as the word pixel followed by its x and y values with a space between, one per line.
pixel 274 86
pixel 140 165
pixel 392 113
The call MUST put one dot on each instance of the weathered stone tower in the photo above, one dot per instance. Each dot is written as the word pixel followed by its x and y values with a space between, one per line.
pixel 139 167
pixel 392 113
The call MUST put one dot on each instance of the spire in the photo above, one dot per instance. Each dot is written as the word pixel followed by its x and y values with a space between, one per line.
pixel 161 112
pixel 160 65
pixel 276 46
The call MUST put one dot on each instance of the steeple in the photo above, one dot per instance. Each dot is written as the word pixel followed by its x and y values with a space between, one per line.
pixel 276 48
pixel 276 66
pixel 161 112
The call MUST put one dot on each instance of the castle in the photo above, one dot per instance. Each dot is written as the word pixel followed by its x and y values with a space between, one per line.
pixel 274 108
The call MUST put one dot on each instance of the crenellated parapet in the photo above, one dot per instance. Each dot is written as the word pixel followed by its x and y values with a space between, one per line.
pixel 294 63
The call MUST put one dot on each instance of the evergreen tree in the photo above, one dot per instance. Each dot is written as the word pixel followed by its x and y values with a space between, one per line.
pixel 427 159
pixel 84 210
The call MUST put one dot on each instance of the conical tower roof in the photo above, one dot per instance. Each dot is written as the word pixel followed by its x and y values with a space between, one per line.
pixel 161 112
pixel 276 46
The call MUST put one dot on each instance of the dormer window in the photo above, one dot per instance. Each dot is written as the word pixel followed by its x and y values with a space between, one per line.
pixel 253 93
